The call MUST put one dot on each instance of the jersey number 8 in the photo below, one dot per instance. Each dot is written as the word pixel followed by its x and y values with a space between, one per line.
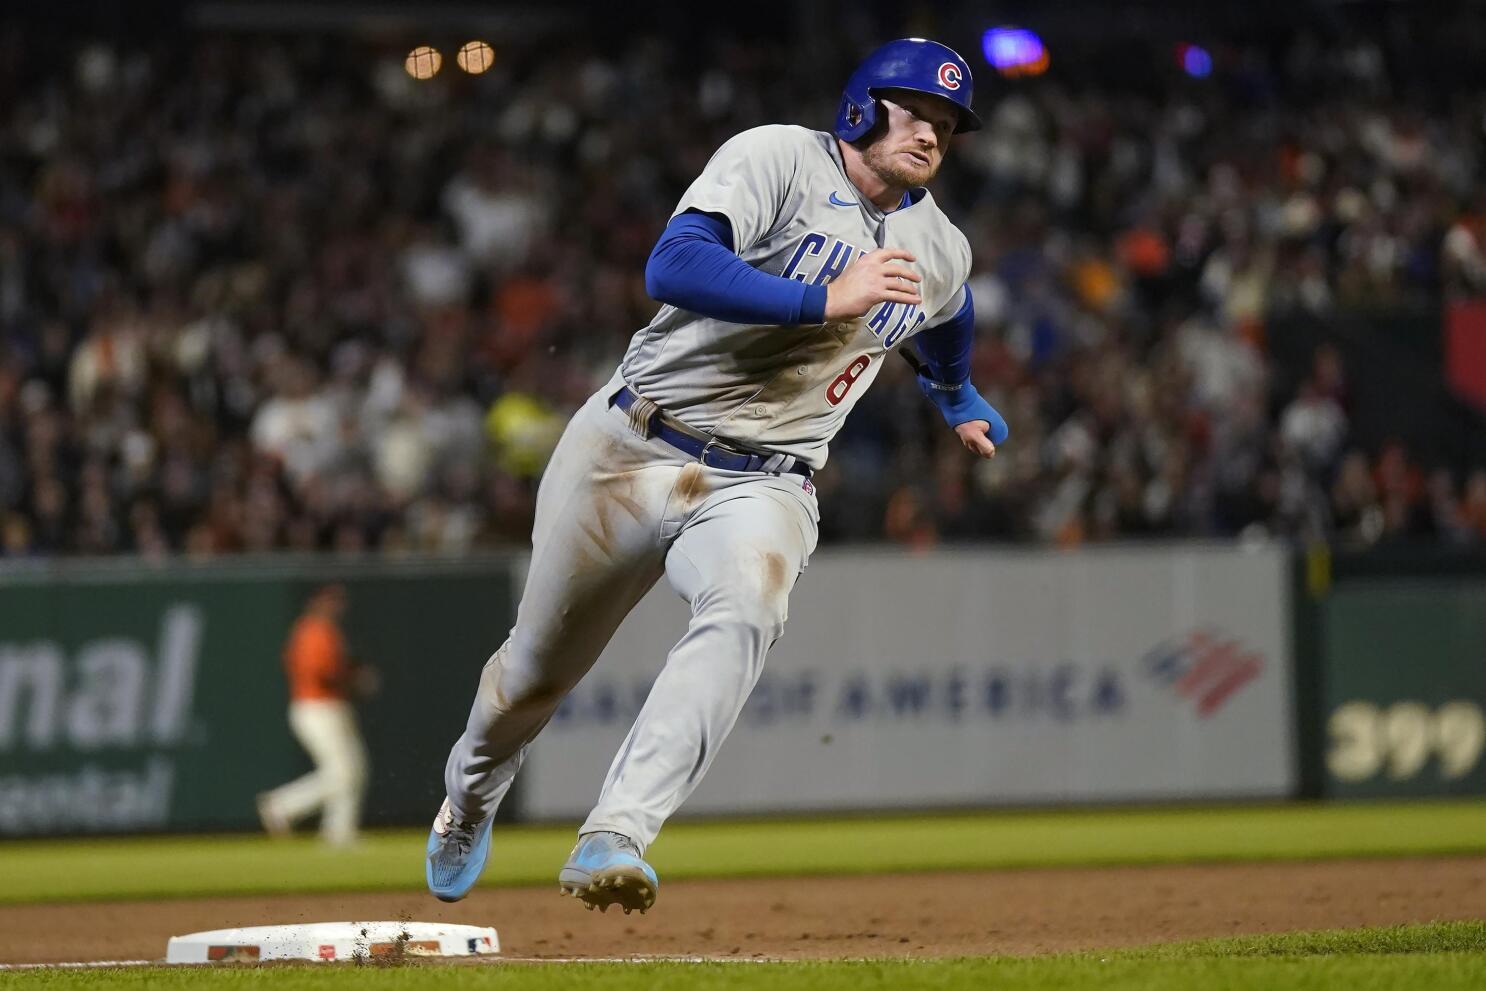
pixel 841 384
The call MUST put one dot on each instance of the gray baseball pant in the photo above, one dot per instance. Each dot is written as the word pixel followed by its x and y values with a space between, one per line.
pixel 615 511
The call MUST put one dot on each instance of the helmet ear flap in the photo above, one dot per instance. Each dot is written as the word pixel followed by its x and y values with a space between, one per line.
pixel 857 115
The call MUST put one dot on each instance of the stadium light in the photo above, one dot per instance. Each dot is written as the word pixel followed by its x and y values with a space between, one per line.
pixel 1015 51
pixel 1194 60
pixel 423 62
pixel 475 57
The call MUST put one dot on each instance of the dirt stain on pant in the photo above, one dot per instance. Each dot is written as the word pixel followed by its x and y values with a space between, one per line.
pixel 691 489
pixel 601 531
pixel 776 573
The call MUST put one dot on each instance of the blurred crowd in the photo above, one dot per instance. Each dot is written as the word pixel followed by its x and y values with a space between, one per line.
pixel 261 293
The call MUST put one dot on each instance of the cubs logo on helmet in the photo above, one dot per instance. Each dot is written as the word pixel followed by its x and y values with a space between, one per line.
pixel 915 64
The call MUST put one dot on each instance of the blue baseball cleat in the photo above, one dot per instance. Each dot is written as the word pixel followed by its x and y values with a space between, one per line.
pixel 606 869
pixel 457 852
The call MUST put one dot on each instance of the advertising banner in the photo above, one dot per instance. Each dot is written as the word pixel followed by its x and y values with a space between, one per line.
pixel 141 698
pixel 1404 670
pixel 975 678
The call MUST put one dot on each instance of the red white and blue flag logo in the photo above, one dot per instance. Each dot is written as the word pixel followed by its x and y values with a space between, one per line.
pixel 1205 666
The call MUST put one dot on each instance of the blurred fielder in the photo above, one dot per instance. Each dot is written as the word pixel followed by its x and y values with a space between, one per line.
pixel 322 683
pixel 789 270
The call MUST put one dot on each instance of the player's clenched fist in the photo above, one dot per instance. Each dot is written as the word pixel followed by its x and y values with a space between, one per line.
pixel 877 277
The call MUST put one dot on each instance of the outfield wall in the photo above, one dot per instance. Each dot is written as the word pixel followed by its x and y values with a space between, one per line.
pixel 1393 686
pixel 974 678
pixel 136 698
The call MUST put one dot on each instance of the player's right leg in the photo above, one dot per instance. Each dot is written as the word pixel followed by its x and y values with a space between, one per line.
pixel 735 562
pixel 595 552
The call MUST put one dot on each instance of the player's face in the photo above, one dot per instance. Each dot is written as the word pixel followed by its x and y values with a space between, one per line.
pixel 911 149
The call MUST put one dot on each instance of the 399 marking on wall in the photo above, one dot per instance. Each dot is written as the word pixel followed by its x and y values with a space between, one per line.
pixel 1398 740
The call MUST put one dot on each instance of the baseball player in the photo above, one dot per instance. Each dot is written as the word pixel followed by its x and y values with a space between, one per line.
pixel 792 267
pixel 323 681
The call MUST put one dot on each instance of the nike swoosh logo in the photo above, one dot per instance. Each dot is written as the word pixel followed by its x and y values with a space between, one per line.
pixel 840 202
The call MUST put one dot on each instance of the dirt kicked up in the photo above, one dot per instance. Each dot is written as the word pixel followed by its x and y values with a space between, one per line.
pixel 1018 912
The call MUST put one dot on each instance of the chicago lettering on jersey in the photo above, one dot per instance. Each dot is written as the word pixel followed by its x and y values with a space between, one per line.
pixel 827 263
pixel 816 263
pixel 880 319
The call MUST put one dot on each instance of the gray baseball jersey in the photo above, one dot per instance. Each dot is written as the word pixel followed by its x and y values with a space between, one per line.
pixel 795 214
pixel 618 508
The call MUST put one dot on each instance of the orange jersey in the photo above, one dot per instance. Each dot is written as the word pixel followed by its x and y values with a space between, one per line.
pixel 315 658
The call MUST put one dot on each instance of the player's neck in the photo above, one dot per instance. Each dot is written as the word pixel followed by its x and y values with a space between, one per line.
pixel 878 191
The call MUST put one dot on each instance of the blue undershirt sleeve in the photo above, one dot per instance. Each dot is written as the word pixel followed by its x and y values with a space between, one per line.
pixel 693 267
pixel 944 373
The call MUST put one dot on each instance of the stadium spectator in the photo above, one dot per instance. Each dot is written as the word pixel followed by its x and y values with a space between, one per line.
pixel 279 296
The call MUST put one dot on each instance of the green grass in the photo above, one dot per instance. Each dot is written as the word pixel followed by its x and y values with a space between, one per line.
pixel 1440 957
pixel 61 870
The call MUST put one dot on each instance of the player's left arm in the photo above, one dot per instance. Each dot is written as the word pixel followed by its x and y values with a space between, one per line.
pixel 943 369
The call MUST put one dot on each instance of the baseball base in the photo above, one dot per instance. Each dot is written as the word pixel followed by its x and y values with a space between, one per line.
pixel 331 941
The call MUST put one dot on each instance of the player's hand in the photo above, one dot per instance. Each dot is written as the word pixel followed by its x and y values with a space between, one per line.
pixel 877 277
pixel 973 436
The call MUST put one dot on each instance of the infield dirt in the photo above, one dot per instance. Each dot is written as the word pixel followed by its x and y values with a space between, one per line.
pixel 945 914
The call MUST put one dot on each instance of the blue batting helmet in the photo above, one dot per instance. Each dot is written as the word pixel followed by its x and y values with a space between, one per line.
pixel 908 63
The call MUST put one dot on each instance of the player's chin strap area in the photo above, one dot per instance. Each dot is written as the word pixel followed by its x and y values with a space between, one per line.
pixel 649 420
